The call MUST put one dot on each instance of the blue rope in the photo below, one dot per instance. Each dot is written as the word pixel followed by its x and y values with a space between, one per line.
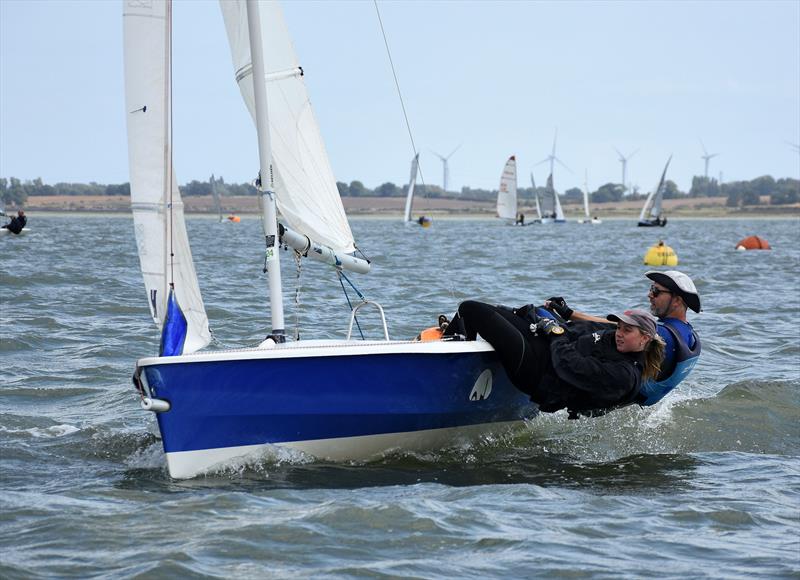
pixel 341 275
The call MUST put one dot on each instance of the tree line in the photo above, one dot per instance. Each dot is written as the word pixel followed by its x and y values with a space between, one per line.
pixel 738 193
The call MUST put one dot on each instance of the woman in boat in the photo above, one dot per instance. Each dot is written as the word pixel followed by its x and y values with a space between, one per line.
pixel 585 367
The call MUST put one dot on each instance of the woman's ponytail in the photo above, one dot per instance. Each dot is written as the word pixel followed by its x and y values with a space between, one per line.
pixel 653 355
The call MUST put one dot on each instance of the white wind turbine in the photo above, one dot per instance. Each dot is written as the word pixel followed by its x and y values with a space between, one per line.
pixel 624 160
pixel 445 167
pixel 552 157
pixel 706 157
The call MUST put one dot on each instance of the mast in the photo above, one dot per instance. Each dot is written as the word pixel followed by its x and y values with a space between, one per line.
pixel 269 217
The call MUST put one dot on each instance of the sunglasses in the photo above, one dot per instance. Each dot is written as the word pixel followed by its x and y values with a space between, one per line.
pixel 655 292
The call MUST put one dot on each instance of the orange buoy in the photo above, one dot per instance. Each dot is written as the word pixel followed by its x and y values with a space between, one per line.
pixel 234 218
pixel 753 243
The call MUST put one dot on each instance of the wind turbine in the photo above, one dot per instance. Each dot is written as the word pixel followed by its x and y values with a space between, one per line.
pixel 445 168
pixel 707 157
pixel 552 157
pixel 624 160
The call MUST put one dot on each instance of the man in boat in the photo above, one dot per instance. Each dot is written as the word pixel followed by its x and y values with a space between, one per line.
pixel 671 294
pixel 521 219
pixel 17 223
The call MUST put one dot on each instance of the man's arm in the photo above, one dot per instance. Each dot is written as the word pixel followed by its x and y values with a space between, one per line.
pixel 559 305
pixel 576 315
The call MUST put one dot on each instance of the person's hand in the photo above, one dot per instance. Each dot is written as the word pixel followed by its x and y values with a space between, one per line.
pixel 547 327
pixel 558 305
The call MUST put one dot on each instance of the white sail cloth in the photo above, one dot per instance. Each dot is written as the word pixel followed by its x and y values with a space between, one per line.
pixel 507 195
pixel 305 188
pixel 161 239
pixel 652 205
pixel 411 183
pixel 551 205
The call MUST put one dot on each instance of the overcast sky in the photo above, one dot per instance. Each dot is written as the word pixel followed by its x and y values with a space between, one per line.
pixel 495 78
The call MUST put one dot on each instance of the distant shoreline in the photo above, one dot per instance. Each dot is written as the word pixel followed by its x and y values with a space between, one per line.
pixel 393 207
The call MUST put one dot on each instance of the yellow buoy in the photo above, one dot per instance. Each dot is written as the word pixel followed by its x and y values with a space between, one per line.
pixel 660 255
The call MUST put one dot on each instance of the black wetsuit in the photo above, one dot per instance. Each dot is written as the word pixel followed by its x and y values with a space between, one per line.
pixel 16 224
pixel 580 370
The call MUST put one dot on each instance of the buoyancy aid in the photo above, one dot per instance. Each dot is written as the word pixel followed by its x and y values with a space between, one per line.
pixel 686 357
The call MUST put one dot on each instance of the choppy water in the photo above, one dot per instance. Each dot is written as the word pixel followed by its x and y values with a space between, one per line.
pixel 703 485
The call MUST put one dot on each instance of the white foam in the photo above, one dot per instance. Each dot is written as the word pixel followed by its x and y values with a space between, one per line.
pixel 46 432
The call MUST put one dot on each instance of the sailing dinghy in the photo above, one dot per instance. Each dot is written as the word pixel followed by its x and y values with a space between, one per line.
pixel 652 213
pixel 507 194
pixel 540 219
pixel 587 219
pixel 410 194
pixel 551 205
pixel 338 399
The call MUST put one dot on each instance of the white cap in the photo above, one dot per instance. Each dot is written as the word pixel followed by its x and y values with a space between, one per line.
pixel 679 283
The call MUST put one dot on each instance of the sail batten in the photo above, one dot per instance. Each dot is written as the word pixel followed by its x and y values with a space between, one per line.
pixel 161 239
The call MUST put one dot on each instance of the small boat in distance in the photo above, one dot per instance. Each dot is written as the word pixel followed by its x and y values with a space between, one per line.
pixel 410 195
pixel 540 219
pixel 652 213
pixel 551 205
pixel 507 194
pixel 587 219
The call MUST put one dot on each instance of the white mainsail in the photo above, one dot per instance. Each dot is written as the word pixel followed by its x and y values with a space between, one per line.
pixel 163 245
pixel 411 183
pixel 507 195
pixel 652 205
pixel 305 188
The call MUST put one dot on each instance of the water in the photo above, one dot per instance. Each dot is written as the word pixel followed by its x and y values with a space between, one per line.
pixel 705 484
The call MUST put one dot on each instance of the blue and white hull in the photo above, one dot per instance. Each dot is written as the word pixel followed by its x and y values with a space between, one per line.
pixel 339 400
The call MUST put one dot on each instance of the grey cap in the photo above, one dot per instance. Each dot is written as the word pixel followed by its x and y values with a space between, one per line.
pixel 679 283
pixel 641 319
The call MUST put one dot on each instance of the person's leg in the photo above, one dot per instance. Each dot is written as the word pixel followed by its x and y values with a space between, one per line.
pixel 510 336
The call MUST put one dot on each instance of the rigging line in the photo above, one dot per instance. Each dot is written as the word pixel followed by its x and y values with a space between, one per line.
pixel 298 263
pixel 397 84
pixel 347 296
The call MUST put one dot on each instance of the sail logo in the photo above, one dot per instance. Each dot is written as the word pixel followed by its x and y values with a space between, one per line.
pixel 483 387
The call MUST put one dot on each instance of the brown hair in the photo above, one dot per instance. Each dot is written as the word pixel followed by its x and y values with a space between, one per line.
pixel 653 355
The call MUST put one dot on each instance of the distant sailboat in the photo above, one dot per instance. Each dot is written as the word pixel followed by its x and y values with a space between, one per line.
pixel 539 217
pixel 507 194
pixel 652 213
pixel 412 181
pixel 215 195
pixel 587 215
pixel 551 205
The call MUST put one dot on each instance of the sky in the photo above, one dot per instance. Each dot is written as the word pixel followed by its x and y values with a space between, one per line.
pixel 491 78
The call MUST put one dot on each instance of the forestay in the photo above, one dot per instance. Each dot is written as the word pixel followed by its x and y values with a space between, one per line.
pixel 155 198
pixel 305 188
pixel 507 195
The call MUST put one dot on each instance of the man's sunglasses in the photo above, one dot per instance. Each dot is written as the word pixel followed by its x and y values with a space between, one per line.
pixel 656 291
